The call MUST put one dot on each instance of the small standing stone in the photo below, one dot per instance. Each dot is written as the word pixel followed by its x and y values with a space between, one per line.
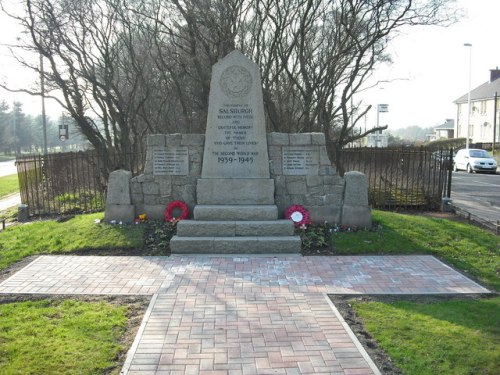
pixel 118 202
pixel 356 211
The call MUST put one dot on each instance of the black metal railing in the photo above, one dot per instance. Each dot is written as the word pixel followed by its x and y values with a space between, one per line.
pixel 406 178
pixel 76 182
pixel 71 182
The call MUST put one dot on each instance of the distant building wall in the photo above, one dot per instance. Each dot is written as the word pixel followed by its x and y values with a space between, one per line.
pixel 481 121
pixel 377 140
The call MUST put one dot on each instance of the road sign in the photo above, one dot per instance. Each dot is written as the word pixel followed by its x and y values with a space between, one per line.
pixel 63 132
pixel 383 107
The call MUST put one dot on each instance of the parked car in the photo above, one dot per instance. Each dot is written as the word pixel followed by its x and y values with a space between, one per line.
pixel 474 160
pixel 443 157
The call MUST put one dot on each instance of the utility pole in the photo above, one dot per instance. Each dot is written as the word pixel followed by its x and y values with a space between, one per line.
pixel 469 107
pixel 16 138
pixel 494 123
pixel 44 121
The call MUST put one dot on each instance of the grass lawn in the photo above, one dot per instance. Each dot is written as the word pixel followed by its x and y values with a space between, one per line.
pixel 9 185
pixel 451 337
pixel 78 234
pixel 9 215
pixel 60 337
pixel 64 336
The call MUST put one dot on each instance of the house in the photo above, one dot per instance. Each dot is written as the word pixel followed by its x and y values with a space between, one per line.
pixel 443 131
pixel 482 116
pixel 377 139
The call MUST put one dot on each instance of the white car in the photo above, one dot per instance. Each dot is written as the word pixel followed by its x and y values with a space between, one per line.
pixel 474 160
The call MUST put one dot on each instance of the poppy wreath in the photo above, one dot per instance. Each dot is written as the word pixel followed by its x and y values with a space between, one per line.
pixel 172 206
pixel 298 214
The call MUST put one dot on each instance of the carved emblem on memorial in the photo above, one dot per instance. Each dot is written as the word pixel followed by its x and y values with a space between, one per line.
pixel 236 81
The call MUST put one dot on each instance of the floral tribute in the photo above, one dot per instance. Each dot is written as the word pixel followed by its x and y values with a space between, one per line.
pixel 141 218
pixel 178 206
pixel 299 215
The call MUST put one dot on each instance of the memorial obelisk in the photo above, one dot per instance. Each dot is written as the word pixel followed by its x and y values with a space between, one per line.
pixel 235 211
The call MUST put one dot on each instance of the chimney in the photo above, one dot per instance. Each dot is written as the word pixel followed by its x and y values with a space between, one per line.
pixel 494 74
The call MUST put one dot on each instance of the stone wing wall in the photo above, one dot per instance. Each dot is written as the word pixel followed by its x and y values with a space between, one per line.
pixel 151 192
pixel 299 165
pixel 315 185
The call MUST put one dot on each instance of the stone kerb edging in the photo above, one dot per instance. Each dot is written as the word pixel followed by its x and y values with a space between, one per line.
pixel 299 165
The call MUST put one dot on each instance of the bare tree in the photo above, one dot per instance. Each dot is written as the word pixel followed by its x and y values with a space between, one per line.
pixel 144 66
pixel 188 38
pixel 7 131
pixel 90 53
pixel 322 53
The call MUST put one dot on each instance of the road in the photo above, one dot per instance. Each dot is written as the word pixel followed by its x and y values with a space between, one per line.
pixel 477 193
pixel 7 168
pixel 10 201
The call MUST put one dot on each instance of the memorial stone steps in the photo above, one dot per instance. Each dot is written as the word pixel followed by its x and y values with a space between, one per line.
pixel 235 229
pixel 195 228
pixel 236 245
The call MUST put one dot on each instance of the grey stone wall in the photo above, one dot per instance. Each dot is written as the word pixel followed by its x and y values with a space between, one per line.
pixel 321 192
pixel 320 189
pixel 152 193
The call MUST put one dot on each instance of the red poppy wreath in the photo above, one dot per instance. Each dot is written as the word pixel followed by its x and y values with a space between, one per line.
pixel 176 205
pixel 298 214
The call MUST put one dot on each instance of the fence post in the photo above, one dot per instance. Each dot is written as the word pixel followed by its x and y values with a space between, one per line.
pixel 450 174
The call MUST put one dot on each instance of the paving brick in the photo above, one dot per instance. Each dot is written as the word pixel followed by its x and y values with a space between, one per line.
pixel 241 315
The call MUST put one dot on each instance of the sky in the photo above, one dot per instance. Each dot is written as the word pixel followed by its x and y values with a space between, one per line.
pixel 430 69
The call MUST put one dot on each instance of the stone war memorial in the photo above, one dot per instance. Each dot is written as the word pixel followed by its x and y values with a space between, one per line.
pixel 237 180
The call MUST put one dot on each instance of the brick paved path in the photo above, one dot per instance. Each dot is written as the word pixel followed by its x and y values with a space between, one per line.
pixel 242 315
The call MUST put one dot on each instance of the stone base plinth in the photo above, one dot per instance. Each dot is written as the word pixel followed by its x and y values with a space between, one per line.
pixel 192 228
pixel 357 216
pixel 235 212
pixel 211 191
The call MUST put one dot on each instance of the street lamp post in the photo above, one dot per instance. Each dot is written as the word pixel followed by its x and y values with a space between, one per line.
pixel 495 114
pixel 44 119
pixel 469 109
